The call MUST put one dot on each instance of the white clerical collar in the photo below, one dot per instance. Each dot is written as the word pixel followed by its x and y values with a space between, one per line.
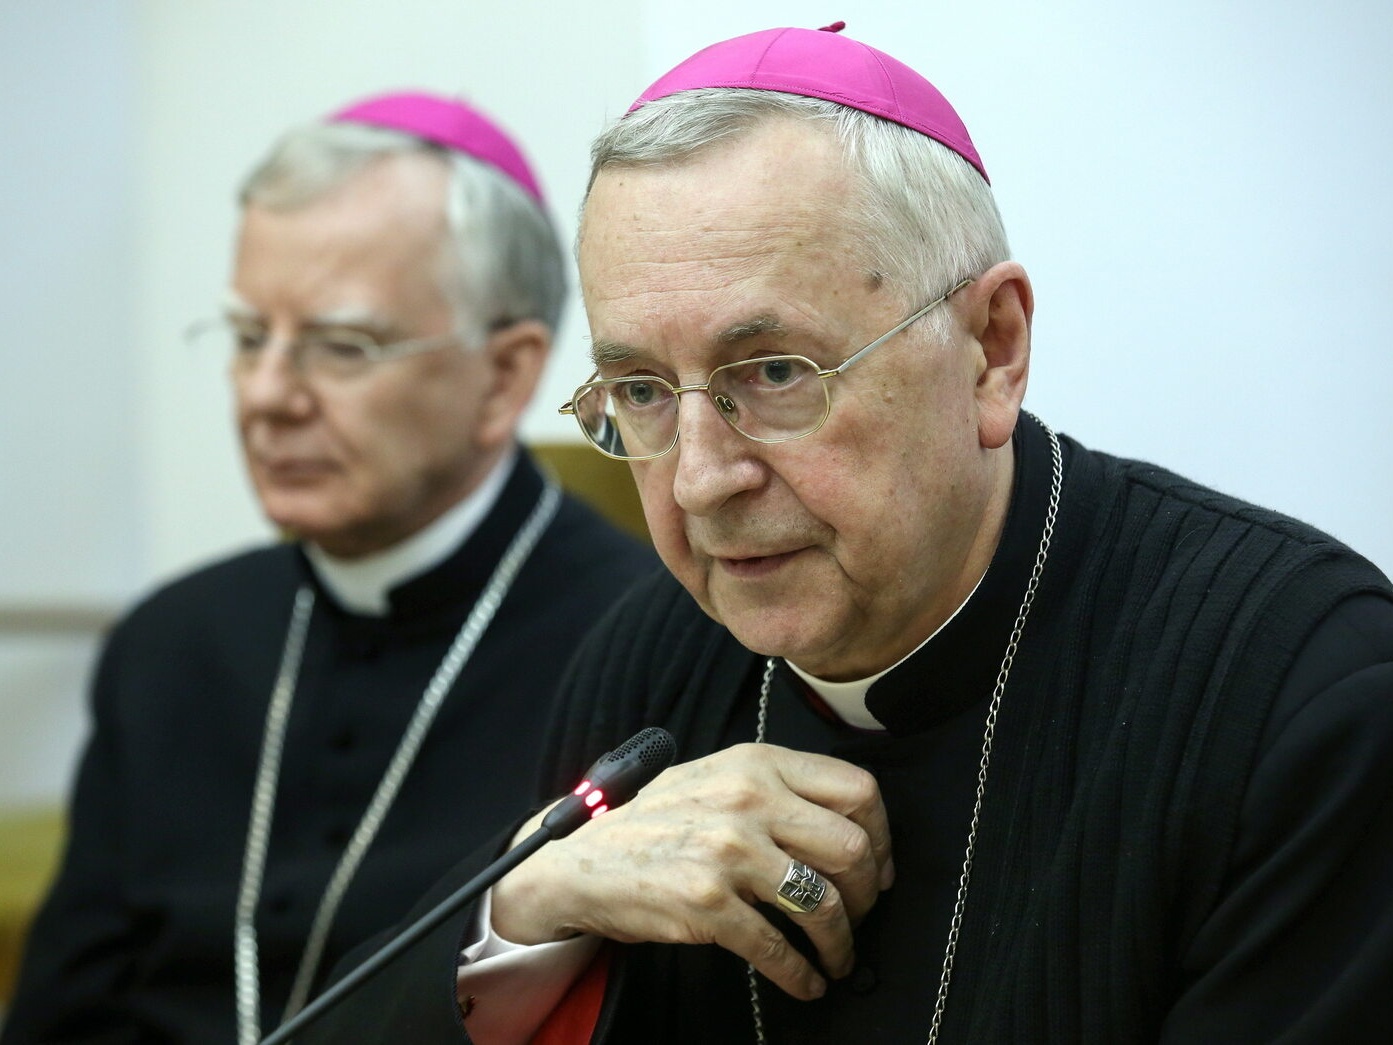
pixel 848 699
pixel 362 585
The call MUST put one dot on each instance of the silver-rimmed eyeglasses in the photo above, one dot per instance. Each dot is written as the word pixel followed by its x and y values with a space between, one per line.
pixel 332 352
pixel 770 399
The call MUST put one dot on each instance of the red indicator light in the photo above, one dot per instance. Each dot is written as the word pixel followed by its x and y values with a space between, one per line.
pixel 594 798
pixel 582 787
pixel 598 811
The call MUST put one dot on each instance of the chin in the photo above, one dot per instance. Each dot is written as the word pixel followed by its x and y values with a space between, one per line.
pixel 300 521
pixel 778 633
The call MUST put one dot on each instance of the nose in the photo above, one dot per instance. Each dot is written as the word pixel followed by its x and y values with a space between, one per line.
pixel 714 461
pixel 270 383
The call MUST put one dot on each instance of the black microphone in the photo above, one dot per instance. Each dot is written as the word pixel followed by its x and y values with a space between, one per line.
pixel 615 778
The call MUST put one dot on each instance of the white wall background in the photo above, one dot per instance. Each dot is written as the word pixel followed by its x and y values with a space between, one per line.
pixel 1199 190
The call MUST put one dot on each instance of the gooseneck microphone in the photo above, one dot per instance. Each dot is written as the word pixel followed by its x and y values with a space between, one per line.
pixel 614 779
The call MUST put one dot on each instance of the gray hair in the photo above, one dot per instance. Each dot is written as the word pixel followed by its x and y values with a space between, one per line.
pixel 925 217
pixel 506 260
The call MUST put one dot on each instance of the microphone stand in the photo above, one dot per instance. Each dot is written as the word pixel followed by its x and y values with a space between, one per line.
pixel 611 781
pixel 465 894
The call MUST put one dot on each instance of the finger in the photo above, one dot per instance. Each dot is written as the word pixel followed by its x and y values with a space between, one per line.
pixel 824 811
pixel 838 827
pixel 750 936
pixel 816 905
pixel 845 789
pixel 835 847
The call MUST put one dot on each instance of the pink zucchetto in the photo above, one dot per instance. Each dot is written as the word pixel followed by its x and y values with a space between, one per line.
pixel 448 123
pixel 820 63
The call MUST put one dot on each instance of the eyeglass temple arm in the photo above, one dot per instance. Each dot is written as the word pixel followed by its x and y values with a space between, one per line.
pixel 909 321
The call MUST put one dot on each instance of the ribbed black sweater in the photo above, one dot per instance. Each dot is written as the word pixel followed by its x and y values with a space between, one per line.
pixel 1187 833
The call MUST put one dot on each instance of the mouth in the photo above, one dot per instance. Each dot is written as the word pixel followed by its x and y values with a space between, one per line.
pixel 294 469
pixel 754 567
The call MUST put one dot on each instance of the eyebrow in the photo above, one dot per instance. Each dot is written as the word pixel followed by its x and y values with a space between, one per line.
pixel 234 305
pixel 756 327
pixel 352 316
pixel 603 350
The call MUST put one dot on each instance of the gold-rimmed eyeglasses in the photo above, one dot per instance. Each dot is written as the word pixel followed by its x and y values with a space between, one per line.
pixel 770 399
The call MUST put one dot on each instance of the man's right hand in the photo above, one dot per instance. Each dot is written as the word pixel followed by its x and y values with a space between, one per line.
pixel 688 858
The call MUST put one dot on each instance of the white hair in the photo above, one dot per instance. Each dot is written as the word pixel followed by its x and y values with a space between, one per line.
pixel 925 217
pixel 506 262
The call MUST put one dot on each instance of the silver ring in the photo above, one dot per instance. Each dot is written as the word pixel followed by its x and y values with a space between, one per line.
pixel 802 888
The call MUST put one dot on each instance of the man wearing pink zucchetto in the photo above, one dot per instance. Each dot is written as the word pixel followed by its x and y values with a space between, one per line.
pixel 983 735
pixel 289 746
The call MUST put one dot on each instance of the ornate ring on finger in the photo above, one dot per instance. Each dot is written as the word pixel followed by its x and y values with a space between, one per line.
pixel 802 888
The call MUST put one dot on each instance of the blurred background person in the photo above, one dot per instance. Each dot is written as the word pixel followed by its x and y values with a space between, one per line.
pixel 281 739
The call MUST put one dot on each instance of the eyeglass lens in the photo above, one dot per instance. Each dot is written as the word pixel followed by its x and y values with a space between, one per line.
pixel 769 399
pixel 343 352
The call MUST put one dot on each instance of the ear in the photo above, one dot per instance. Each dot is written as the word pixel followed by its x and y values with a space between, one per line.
pixel 517 355
pixel 999 307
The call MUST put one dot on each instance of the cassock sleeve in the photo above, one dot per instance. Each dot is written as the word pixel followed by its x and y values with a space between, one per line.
pixel 1299 946
pixel 84 941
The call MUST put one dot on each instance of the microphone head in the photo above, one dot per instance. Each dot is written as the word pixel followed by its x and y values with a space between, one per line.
pixel 613 780
pixel 653 748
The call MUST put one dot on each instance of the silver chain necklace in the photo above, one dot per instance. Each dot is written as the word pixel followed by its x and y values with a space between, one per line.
pixel 989 733
pixel 247 969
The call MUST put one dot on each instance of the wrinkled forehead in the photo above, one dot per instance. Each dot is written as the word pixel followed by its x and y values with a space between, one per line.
pixel 691 266
pixel 373 250
pixel 782 187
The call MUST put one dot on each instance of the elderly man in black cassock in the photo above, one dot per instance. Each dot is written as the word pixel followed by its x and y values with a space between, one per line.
pixel 984 735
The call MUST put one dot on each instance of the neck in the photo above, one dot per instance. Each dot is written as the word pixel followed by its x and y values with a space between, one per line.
pixel 847 700
pixel 973 557
pixel 363 584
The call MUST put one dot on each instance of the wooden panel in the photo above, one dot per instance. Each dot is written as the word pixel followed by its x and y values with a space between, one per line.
pixel 30 841
pixel 600 481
